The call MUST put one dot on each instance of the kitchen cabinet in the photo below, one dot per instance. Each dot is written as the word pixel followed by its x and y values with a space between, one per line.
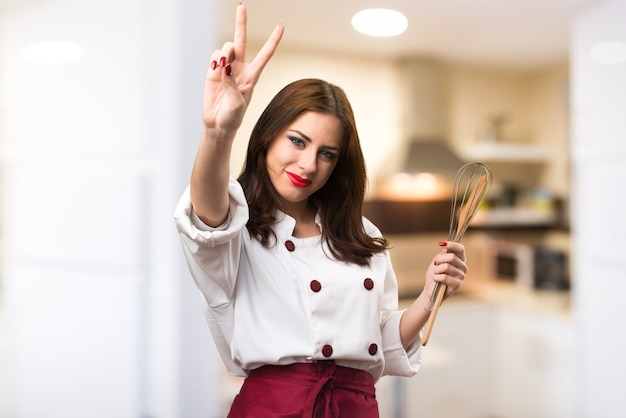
pixel 491 355
pixel 457 374
pixel 535 373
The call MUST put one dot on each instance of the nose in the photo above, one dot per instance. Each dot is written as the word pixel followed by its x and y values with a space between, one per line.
pixel 308 160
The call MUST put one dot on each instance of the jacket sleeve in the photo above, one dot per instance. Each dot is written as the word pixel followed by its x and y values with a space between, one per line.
pixel 213 254
pixel 398 361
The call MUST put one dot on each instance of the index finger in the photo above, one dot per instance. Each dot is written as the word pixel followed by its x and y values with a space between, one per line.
pixel 266 52
pixel 454 247
pixel 241 21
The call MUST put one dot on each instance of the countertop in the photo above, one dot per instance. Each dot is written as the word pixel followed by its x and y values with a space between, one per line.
pixel 510 295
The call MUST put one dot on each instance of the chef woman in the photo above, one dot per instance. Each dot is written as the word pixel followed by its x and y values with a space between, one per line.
pixel 297 286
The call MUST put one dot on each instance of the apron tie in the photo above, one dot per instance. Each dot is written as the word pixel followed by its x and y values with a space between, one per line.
pixel 320 402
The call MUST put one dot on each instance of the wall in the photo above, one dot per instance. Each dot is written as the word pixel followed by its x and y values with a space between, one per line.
pixel 599 204
pixel 549 111
pixel 478 94
pixel 101 318
pixel 535 106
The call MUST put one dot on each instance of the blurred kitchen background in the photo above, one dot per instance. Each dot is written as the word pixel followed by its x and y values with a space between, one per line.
pixel 98 314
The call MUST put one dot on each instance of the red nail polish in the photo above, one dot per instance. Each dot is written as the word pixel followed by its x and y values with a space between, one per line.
pixel 213 65
pixel 222 61
pixel 443 244
pixel 229 70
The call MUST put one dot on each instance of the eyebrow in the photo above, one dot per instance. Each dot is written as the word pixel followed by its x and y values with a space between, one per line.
pixel 307 139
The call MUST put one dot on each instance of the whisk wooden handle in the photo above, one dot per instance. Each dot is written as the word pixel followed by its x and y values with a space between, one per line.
pixel 428 328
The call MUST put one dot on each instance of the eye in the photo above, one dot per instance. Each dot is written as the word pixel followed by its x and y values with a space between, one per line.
pixel 329 155
pixel 296 140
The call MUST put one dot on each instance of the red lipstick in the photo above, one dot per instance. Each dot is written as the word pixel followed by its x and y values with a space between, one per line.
pixel 296 180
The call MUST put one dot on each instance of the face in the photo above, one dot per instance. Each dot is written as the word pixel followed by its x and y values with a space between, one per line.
pixel 302 157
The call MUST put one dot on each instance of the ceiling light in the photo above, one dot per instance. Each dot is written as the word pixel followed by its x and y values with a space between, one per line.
pixel 380 22
pixel 608 53
pixel 53 53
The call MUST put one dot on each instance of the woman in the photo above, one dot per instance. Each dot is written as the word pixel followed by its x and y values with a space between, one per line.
pixel 298 287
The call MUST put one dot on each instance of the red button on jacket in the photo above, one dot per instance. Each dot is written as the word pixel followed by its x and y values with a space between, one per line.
pixel 290 245
pixel 315 286
pixel 368 283
pixel 372 349
pixel 327 350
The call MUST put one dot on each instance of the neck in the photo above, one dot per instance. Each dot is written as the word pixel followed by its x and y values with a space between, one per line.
pixel 304 216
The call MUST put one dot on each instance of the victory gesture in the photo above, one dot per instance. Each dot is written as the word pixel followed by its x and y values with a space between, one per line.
pixel 227 92
pixel 230 81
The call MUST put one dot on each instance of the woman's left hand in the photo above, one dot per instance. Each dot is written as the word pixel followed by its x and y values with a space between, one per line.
pixel 448 267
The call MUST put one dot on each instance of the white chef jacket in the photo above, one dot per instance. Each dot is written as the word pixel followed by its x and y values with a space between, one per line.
pixel 292 302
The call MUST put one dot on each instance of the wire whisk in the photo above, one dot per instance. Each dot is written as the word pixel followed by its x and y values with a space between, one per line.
pixel 471 185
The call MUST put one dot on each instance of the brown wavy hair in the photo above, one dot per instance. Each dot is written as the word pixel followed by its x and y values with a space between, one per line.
pixel 340 201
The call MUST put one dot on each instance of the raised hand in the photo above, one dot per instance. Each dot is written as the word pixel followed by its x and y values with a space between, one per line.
pixel 229 81
pixel 228 88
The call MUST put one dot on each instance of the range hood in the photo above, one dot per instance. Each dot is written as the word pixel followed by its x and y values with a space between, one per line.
pixel 422 98
pixel 431 156
pixel 424 118
pixel 428 166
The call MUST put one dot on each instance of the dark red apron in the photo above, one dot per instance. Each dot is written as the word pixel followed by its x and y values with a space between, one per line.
pixel 306 390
